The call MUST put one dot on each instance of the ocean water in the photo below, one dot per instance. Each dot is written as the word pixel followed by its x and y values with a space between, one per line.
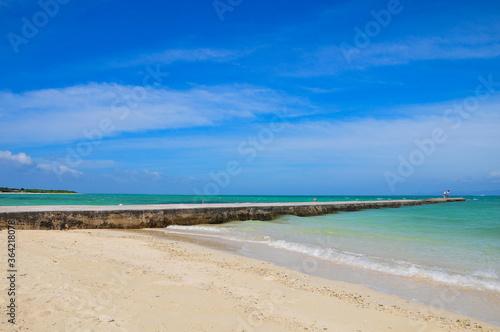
pixel 116 199
pixel 445 255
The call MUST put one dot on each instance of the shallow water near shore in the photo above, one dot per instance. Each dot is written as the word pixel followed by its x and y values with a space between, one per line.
pixel 444 255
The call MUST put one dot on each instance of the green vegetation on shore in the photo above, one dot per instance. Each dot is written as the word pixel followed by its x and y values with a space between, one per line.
pixel 35 191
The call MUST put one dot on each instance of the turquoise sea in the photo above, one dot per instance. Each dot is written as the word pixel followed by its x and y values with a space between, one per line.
pixel 446 255
pixel 116 199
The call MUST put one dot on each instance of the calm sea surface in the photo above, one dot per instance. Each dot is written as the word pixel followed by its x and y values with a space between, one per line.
pixel 110 199
pixel 446 255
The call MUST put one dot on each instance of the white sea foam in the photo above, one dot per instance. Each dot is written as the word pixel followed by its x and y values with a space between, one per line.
pixel 486 274
pixel 212 235
pixel 479 280
pixel 198 228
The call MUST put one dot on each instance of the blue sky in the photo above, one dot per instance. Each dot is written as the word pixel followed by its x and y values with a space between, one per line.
pixel 251 97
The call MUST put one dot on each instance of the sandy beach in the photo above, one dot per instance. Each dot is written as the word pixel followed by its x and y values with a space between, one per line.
pixel 111 280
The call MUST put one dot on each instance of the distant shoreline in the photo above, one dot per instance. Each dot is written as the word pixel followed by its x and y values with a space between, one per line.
pixel 40 193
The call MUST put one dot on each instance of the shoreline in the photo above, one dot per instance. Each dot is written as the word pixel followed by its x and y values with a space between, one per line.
pixel 129 280
pixel 470 302
pixel 1 193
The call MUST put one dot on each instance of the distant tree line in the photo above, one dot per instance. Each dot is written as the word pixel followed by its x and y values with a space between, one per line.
pixel 35 191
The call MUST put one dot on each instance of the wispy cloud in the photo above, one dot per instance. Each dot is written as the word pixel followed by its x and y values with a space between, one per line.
pixel 127 176
pixel 434 48
pixel 59 169
pixel 330 60
pixel 494 176
pixel 321 90
pixel 60 115
pixel 156 176
pixel 186 55
pixel 336 143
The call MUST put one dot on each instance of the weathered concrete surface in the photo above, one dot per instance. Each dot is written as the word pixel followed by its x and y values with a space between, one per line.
pixel 151 216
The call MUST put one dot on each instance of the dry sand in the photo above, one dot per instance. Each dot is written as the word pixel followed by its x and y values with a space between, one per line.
pixel 111 280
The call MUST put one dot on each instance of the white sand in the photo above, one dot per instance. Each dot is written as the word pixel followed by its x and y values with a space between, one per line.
pixel 109 280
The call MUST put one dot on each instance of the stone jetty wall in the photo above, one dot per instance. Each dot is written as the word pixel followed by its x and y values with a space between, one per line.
pixel 153 216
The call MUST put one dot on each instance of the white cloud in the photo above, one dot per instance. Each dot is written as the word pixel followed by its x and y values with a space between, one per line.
pixel 128 176
pixel 154 175
pixel 366 146
pixel 494 176
pixel 188 55
pixel 94 110
pixel 425 49
pixel 23 159
pixel 59 169
pixel 20 158
pixel 352 139
pixel 331 60
pixel 170 56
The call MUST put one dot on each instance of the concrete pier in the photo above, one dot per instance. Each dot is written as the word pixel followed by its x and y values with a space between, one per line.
pixel 153 216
